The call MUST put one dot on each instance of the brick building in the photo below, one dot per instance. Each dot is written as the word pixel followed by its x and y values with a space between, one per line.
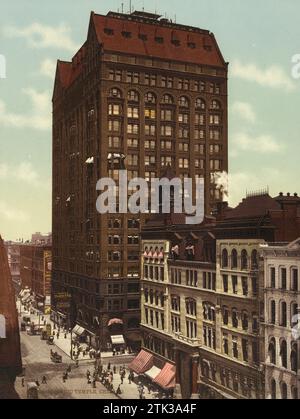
pixel 10 352
pixel 36 270
pixel 13 253
pixel 142 93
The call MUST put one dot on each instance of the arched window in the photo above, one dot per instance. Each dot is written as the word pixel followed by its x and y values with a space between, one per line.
pixel 215 105
pixel 133 96
pixel 200 104
pixel 167 100
pixel 150 98
pixel 254 259
pixel 283 389
pixel 294 360
pixel 2 327
pixel 273 390
pixel 224 258
pixel 234 259
pixel 183 102
pixel 273 312
pixel 272 351
pixel 115 93
pixel 244 260
pixel 283 353
pixel 283 314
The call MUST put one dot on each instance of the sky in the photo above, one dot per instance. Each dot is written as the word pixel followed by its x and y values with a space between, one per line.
pixel 258 39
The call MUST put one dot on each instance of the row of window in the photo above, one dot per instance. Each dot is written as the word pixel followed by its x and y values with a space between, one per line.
pixel 278 313
pixel 165 145
pixel 284 279
pixel 167 99
pixel 116 126
pixel 239 349
pixel 165 82
pixel 240 286
pixel 235 261
pixel 192 279
pixel 133 112
pixel 283 360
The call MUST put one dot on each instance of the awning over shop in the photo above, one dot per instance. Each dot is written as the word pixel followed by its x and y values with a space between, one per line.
pixel 118 340
pixel 78 330
pixel 143 362
pixel 166 378
pixel 153 372
pixel 115 321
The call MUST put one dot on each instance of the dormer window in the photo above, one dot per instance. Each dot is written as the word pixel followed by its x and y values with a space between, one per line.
pixel 143 37
pixel 176 42
pixel 108 31
pixel 192 45
pixel 126 34
pixel 159 39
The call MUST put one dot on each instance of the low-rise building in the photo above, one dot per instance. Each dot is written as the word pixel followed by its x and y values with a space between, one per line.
pixel 203 297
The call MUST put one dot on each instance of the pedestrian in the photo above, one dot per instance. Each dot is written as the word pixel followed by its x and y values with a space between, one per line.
pixel 115 370
pixel 88 374
pixel 122 380
pixel 37 383
pixel 119 391
pixel 64 378
pixel 89 380
pixel 94 384
pixel 109 366
pixel 114 352
pixel 65 336
pixel 69 369
pixel 77 363
pixel 23 382
pixel 44 380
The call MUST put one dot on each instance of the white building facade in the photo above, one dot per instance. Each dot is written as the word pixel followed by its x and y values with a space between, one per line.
pixel 281 305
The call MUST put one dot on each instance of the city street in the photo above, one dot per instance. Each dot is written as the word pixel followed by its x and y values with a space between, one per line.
pixel 36 361
pixel 37 364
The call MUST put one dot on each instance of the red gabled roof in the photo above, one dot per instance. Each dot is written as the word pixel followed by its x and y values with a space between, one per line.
pixel 64 69
pixel 110 31
pixel 134 45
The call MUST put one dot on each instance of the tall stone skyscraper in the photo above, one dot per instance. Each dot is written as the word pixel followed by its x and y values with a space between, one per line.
pixel 10 353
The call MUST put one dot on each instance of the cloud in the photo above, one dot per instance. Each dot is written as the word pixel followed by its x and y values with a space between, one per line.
pixel 3 171
pixel 259 144
pixel 11 214
pixel 39 118
pixel 24 172
pixel 245 110
pixel 273 77
pixel 47 68
pixel 241 182
pixel 40 36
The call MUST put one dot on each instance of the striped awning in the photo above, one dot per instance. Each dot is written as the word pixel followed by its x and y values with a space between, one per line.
pixel 78 330
pixel 142 363
pixel 153 372
pixel 166 378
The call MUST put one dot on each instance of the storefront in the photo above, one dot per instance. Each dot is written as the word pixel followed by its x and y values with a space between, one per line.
pixel 118 343
pixel 157 372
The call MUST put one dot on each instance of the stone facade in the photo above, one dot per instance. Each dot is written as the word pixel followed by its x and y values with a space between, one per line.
pixel 282 302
